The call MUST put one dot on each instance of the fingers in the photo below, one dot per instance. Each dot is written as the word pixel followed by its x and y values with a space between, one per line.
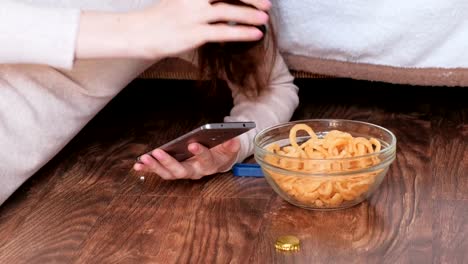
pixel 242 15
pixel 226 33
pixel 205 162
pixel 176 169
pixel 202 153
pixel 148 163
pixel 164 165
pixel 223 12
pixel 264 5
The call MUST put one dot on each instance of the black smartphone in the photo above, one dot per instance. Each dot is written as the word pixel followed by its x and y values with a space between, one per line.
pixel 209 135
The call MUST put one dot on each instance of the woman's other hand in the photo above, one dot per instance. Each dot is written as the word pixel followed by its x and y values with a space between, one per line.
pixel 167 28
pixel 205 162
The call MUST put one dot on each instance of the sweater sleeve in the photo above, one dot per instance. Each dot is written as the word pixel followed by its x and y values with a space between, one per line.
pixel 37 35
pixel 276 105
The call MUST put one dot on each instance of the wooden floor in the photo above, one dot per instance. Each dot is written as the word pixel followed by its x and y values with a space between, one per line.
pixel 88 206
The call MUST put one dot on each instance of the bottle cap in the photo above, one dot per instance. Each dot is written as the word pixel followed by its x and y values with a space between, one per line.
pixel 287 243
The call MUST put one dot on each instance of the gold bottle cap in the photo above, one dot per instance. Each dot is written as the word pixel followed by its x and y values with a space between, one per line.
pixel 287 243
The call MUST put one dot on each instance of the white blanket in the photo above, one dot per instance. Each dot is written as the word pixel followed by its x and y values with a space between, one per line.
pixel 400 33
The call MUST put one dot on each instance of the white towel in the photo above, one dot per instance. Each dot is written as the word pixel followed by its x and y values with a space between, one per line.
pixel 400 33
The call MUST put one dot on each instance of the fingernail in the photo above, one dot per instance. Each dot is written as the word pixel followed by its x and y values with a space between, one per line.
pixel 136 167
pixel 258 34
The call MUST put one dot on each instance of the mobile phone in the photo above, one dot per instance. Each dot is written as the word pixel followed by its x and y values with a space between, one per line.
pixel 209 135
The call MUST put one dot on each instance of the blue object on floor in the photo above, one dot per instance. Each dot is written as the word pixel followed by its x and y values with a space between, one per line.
pixel 247 170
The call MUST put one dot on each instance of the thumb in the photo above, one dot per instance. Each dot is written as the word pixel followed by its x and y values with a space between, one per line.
pixel 227 154
pixel 227 149
pixel 231 146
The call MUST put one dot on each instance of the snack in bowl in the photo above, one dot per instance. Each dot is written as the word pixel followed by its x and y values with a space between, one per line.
pixel 336 166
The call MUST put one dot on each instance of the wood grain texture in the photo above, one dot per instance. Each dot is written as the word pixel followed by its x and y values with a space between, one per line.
pixel 451 234
pixel 158 229
pixel 53 231
pixel 88 206
pixel 450 149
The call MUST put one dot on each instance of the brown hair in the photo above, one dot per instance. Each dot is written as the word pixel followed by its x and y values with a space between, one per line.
pixel 248 65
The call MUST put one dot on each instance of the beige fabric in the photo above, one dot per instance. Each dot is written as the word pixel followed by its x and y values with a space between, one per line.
pixel 307 67
pixel 371 72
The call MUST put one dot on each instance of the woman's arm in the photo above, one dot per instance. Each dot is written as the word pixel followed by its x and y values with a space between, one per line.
pixel 274 106
pixel 53 36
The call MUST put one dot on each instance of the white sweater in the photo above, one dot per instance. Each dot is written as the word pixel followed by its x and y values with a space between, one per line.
pixel 46 97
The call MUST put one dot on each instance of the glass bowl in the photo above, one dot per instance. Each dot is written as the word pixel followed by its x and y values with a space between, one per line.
pixel 324 183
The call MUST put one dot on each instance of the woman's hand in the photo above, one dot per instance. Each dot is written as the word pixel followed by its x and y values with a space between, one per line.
pixel 167 28
pixel 205 162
